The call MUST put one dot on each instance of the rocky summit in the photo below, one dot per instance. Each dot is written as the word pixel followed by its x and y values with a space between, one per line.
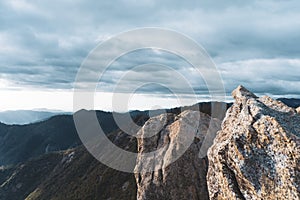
pixel 256 155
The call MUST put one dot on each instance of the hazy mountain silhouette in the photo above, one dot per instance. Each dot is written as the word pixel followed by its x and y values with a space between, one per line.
pixel 26 116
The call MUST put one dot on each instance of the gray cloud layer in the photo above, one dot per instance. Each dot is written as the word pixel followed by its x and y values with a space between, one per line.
pixel 255 43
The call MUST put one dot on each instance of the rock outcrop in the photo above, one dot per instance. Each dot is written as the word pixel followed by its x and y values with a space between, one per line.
pixel 298 110
pixel 160 175
pixel 256 155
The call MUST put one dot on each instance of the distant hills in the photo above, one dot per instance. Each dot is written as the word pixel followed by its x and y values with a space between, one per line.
pixel 291 102
pixel 27 116
pixel 23 117
pixel 19 143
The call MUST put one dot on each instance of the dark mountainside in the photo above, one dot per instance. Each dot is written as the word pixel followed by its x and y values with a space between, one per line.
pixel 18 143
pixel 72 173
pixel 294 103
pixel 21 142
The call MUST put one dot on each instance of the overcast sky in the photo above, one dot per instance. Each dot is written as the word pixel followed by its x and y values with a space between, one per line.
pixel 43 43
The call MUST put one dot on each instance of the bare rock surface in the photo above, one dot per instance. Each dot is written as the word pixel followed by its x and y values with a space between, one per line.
pixel 256 155
pixel 298 110
pixel 159 175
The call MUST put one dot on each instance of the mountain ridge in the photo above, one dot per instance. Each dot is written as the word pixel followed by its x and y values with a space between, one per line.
pixel 21 142
pixel 74 174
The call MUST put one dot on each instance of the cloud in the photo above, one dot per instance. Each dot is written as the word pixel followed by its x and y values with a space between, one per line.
pixel 263 76
pixel 255 43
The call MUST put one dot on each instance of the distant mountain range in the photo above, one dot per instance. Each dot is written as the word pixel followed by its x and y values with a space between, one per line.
pixel 18 143
pixel 27 116
pixel 23 117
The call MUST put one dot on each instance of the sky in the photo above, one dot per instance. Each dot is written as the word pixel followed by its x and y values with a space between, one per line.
pixel 43 43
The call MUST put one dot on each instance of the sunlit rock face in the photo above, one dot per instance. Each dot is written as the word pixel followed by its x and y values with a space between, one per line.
pixel 184 178
pixel 256 155
pixel 298 110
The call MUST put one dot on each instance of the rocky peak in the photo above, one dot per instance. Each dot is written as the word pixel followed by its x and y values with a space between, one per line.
pixel 241 93
pixel 256 155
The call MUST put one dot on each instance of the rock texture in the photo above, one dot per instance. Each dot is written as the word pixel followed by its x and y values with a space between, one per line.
pixel 186 177
pixel 256 155
pixel 298 110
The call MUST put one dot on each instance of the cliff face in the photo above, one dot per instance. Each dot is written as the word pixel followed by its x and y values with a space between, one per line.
pixel 256 155
pixel 186 177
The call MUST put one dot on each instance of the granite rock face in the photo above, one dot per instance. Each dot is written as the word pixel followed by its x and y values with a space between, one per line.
pixel 256 155
pixel 162 175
